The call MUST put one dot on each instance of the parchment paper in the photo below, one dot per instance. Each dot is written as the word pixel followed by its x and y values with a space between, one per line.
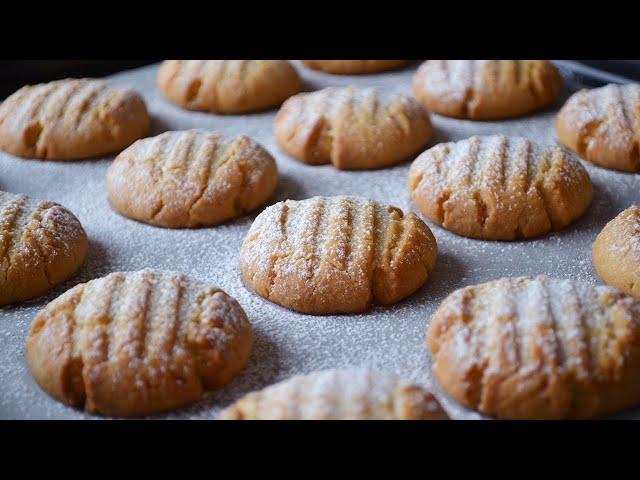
pixel 288 343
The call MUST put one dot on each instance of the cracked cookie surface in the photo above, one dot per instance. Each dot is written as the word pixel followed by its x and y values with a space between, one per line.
pixel 41 245
pixel 486 89
pixel 338 395
pixel 602 125
pixel 499 188
pixel 191 178
pixel 137 343
pixel 228 86
pixel 352 128
pixel 336 254
pixel 538 348
pixel 71 119
pixel 616 251
pixel 354 67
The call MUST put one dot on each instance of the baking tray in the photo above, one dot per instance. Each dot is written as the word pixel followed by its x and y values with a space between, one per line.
pixel 288 343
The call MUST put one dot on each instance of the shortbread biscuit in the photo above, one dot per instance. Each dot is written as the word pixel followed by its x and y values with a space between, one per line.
pixel 338 395
pixel 538 348
pixel 486 89
pixel 499 188
pixel 71 119
pixel 190 179
pixel 228 86
pixel 354 67
pixel 336 254
pixel 41 245
pixel 353 128
pixel 138 343
pixel 616 252
pixel 603 126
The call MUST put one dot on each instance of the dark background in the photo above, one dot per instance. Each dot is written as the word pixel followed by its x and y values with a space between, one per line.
pixel 625 68
pixel 16 73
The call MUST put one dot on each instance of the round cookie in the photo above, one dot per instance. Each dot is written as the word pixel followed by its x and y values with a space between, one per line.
pixel 353 128
pixel 538 348
pixel 336 254
pixel 486 89
pixel 338 395
pixel 138 343
pixel 42 244
pixel 354 67
pixel 603 126
pixel 190 179
pixel 616 252
pixel 71 119
pixel 228 86
pixel 499 188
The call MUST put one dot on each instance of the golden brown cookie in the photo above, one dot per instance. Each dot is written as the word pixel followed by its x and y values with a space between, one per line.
pixel 538 348
pixel 228 86
pixel 336 254
pixel 354 67
pixel 603 126
pixel 616 252
pixel 338 395
pixel 41 245
pixel 499 188
pixel 71 119
pixel 353 128
pixel 138 343
pixel 486 89
pixel 190 179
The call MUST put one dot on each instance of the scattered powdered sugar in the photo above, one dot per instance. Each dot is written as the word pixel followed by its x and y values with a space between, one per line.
pixel 286 343
pixel 612 111
pixel 338 109
pixel 453 78
pixel 492 162
pixel 349 393
pixel 35 232
pixel 459 80
pixel 623 238
pixel 165 307
pixel 545 311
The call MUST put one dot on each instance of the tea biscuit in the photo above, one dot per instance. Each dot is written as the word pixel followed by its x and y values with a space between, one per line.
pixel 338 395
pixel 486 89
pixel 228 86
pixel 499 188
pixel 354 67
pixel 603 126
pixel 353 128
pixel 538 348
pixel 71 119
pixel 336 254
pixel 190 179
pixel 138 343
pixel 41 245
pixel 616 252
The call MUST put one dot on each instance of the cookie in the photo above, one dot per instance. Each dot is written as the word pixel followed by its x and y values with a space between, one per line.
pixel 354 67
pixel 338 395
pixel 190 179
pixel 538 348
pixel 603 126
pixel 352 128
pixel 71 119
pixel 228 86
pixel 42 244
pixel 486 89
pixel 138 343
pixel 499 188
pixel 616 252
pixel 336 254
